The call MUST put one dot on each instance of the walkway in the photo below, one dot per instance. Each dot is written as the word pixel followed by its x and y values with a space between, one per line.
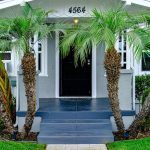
pixel 77 147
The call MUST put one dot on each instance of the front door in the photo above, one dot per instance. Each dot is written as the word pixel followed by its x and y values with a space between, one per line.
pixel 74 81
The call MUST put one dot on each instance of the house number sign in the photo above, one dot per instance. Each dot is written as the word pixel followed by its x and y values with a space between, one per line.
pixel 77 10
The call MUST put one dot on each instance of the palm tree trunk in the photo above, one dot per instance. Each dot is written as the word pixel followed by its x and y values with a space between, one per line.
pixel 29 73
pixel 113 66
pixel 5 116
pixel 141 116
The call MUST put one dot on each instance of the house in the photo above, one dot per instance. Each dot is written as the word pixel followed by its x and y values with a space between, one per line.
pixel 61 86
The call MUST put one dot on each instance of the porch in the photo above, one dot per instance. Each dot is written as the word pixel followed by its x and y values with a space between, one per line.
pixel 75 120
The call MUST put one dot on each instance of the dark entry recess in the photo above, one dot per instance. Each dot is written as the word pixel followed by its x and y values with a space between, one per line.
pixel 74 81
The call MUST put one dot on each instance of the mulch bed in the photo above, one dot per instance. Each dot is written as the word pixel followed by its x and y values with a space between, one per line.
pixel 5 136
pixel 31 137
pixel 138 134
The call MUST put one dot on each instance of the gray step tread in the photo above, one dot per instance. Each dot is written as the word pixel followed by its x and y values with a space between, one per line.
pixel 76 133
pixel 75 140
pixel 102 121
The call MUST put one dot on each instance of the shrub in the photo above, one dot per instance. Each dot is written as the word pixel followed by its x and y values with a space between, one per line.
pixel 142 89
pixel 145 94
pixel 141 83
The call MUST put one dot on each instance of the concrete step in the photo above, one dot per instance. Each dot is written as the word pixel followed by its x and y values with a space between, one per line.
pixel 76 115
pixel 75 131
pixel 75 139
pixel 102 121
pixel 75 126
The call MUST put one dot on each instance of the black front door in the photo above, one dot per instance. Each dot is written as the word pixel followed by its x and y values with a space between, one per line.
pixel 74 81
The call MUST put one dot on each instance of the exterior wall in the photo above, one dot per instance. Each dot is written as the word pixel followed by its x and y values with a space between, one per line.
pixel 125 90
pixel 21 98
pixel 125 82
pixel 35 126
pixel 47 83
pixel 101 88
pixel 126 119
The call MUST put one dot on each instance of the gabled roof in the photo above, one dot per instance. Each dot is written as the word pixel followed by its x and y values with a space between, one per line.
pixel 9 3
pixel 145 3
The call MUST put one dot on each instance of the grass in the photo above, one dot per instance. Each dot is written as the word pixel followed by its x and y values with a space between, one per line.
pixel 20 146
pixel 140 144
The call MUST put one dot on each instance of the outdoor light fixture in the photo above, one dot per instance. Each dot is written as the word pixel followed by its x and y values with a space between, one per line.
pixel 75 20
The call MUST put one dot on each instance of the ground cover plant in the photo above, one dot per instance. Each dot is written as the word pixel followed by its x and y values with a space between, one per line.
pixel 21 146
pixel 140 144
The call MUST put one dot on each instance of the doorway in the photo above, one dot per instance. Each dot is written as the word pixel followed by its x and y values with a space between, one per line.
pixel 75 81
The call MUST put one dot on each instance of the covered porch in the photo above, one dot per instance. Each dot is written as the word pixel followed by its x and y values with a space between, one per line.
pixel 74 120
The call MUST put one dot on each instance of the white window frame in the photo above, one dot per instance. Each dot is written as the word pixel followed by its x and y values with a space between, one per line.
pixel 93 71
pixel 12 61
pixel 122 51
pixel 43 52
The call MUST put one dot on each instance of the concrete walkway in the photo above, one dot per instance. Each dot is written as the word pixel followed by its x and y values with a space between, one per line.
pixel 76 147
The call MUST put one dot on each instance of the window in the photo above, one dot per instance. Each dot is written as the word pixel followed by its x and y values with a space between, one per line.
pixel 6 58
pixel 5 55
pixel 122 50
pixel 146 62
pixel 40 50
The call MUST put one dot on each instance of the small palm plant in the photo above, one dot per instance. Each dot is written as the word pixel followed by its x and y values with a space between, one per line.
pixel 19 31
pixel 105 27
pixel 6 99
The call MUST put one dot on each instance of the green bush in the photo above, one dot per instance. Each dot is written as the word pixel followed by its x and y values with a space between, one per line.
pixel 145 94
pixel 142 89
pixel 141 83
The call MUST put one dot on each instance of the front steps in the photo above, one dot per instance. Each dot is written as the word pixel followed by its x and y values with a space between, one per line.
pixel 76 128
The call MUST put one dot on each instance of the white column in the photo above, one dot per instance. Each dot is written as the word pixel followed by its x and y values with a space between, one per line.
pixel 57 64
pixel 93 70
pixel 36 49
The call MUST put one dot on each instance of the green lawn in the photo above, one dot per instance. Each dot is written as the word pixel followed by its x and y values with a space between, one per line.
pixel 21 146
pixel 140 144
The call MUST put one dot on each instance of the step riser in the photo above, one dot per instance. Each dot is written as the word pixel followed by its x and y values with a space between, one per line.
pixel 75 127
pixel 76 133
pixel 75 140
pixel 76 115
pixel 101 121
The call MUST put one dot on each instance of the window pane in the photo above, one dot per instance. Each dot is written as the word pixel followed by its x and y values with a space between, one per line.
pixel 39 46
pixel 39 62
pixel 146 62
pixel 5 56
pixel 124 66
pixel 124 57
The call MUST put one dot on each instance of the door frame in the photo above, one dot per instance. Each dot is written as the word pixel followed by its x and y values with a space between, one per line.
pixel 57 83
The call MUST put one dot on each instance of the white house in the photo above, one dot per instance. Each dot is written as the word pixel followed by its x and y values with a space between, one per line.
pixel 58 79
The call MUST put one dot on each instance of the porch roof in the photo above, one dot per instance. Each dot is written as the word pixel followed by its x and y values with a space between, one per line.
pixel 10 3
pixel 145 3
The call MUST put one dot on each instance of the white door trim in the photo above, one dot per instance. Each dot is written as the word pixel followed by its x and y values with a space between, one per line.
pixel 57 70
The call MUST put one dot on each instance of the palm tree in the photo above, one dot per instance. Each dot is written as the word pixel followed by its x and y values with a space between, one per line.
pixel 19 31
pixel 145 111
pixel 105 27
